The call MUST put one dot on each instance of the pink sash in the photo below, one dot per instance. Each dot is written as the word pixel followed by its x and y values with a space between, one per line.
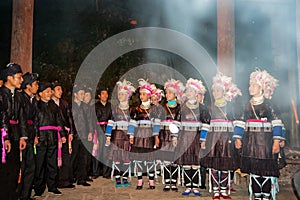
pixel 59 152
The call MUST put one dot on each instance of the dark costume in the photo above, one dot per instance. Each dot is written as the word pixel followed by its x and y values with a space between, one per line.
pixel 65 173
pixel 48 123
pixel 257 158
pixel 29 104
pixel 82 126
pixel 220 154
pixel 143 144
pixel 103 113
pixel 167 150
pixel 193 117
pixel 15 125
pixel 118 151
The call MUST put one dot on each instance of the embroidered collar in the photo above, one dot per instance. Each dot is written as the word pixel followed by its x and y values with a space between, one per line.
pixel 257 100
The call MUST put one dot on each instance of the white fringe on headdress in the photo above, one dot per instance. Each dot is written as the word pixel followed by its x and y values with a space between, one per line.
pixel 175 86
pixel 231 90
pixel 126 87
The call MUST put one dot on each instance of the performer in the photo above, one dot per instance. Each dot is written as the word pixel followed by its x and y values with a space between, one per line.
pixel 195 121
pixel 168 141
pixel 145 139
pixel 48 124
pixel 261 139
pixel 103 113
pixel 15 128
pixel 270 85
pixel 92 160
pixel 220 154
pixel 116 132
pixel 82 136
pixel 29 90
pixel 65 176
pixel 200 99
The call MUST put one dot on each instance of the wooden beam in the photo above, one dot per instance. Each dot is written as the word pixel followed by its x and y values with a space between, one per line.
pixel 22 31
pixel 226 37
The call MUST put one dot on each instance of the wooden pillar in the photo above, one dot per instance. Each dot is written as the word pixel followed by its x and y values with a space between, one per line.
pixel 21 35
pixel 226 37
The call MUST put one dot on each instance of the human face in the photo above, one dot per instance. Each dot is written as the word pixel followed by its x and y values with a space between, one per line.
pixel 15 81
pixel 33 88
pixel 170 96
pixel 103 96
pixel 144 96
pixel 122 96
pixel 190 93
pixel 79 96
pixel 218 92
pixel 46 94
pixel 87 97
pixel 154 100
pixel 267 94
pixel 200 98
pixel 57 92
pixel 255 89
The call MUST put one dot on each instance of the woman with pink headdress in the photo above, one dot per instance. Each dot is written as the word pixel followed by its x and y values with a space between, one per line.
pixel 220 156
pixel 195 119
pixel 261 139
pixel 144 136
pixel 168 141
pixel 116 133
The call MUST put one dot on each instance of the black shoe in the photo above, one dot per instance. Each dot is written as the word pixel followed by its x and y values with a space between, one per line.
pixel 55 192
pixel 37 195
pixel 83 183
pixel 89 180
pixel 71 186
pixel 166 188
pixel 174 188
pixel 139 187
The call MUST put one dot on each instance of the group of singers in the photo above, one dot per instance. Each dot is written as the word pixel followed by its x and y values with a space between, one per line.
pixel 48 143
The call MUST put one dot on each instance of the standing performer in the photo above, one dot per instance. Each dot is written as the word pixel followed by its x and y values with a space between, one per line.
pixel 168 141
pixel 145 139
pixel 15 128
pixel 116 132
pixel 83 135
pixel 200 99
pixel 220 157
pixel 65 176
pixel 261 139
pixel 29 103
pixel 92 161
pixel 48 124
pixel 270 85
pixel 103 113
pixel 195 120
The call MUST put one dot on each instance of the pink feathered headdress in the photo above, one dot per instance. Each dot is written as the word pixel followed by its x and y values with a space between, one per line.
pixel 231 90
pixel 126 87
pixel 145 87
pixel 265 80
pixel 175 86
pixel 197 85
pixel 157 92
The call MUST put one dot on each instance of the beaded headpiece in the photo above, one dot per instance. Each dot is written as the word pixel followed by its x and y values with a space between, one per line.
pixel 231 90
pixel 126 87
